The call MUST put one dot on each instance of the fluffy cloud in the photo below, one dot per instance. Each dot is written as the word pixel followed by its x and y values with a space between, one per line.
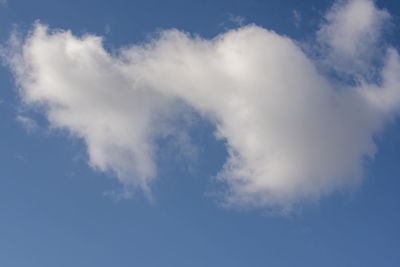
pixel 352 37
pixel 292 133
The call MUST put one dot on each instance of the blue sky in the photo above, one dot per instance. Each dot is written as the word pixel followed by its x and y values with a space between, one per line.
pixel 219 143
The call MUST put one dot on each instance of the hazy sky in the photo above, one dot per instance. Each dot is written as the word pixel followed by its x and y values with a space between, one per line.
pixel 208 133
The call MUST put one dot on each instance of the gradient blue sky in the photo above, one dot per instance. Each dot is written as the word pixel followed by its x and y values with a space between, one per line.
pixel 54 208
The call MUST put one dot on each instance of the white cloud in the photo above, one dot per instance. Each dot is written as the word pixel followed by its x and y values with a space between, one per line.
pixel 238 20
pixel 352 36
pixel 27 122
pixel 297 18
pixel 292 134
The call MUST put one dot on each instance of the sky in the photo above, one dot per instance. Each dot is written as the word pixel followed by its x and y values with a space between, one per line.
pixel 199 133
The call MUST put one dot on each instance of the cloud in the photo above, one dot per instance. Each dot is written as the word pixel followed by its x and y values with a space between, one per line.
pixel 238 20
pixel 352 37
pixel 292 132
pixel 297 18
pixel 107 29
pixel 28 123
